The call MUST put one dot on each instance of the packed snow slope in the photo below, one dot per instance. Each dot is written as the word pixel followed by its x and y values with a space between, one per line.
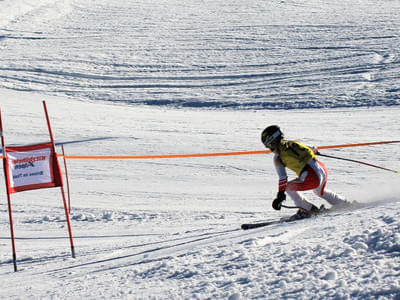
pixel 274 55
pixel 177 77
pixel 170 228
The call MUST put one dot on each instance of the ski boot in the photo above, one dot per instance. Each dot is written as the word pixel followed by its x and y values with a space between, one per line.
pixel 304 214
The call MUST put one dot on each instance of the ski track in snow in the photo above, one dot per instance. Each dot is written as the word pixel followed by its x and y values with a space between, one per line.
pixel 297 253
pixel 206 54
pixel 149 77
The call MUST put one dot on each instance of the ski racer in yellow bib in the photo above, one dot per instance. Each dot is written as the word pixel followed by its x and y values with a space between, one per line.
pixel 311 173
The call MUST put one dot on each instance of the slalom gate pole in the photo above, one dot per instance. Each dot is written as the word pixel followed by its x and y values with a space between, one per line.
pixel 14 253
pixel 359 162
pixel 62 185
pixel 71 241
pixel 66 176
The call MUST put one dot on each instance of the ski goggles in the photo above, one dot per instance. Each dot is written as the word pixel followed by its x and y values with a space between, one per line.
pixel 268 142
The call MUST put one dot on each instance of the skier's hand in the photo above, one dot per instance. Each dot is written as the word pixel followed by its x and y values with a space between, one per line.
pixel 315 150
pixel 277 203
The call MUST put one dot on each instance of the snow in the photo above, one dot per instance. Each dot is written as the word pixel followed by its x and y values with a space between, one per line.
pixel 13 11
pixel 170 228
pixel 275 55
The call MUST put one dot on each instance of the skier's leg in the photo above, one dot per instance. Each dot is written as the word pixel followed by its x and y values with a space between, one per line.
pixel 331 197
pixel 299 200
pixel 308 180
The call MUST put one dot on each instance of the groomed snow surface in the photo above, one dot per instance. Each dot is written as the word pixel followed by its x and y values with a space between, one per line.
pixel 231 54
pixel 170 228
pixel 187 76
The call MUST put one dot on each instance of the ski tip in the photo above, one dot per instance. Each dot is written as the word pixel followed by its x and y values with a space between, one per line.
pixel 245 226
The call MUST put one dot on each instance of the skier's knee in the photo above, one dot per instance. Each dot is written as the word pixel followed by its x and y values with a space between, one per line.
pixel 318 192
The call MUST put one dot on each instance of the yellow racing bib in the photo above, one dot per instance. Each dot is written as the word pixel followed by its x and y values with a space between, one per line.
pixel 295 155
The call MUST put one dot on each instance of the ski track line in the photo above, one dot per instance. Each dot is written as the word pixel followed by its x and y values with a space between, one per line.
pixel 280 237
pixel 57 258
pixel 109 254
pixel 146 252
pixel 177 249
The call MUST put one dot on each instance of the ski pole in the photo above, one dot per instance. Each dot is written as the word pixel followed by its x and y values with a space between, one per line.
pixel 359 162
pixel 296 207
pixel 291 207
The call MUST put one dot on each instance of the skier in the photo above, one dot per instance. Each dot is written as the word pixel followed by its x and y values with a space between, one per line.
pixel 312 173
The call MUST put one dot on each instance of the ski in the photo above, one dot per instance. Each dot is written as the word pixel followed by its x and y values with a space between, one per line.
pixel 322 211
pixel 248 226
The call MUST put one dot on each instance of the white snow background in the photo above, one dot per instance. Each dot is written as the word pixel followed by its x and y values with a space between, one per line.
pixel 178 77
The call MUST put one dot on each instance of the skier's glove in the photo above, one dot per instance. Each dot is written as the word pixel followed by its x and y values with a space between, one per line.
pixel 277 203
pixel 315 150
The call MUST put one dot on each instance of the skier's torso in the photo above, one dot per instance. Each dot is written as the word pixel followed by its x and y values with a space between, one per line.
pixel 295 155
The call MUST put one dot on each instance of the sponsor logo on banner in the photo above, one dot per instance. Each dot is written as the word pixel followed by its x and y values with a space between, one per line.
pixel 32 167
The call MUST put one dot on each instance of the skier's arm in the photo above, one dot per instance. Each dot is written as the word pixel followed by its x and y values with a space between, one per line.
pixel 281 170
